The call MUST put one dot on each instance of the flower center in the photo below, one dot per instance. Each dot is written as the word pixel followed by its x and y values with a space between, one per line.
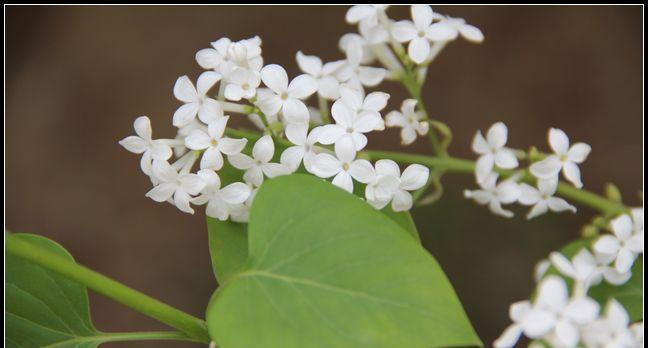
pixel 214 142
pixel 345 166
pixel 421 33
pixel 349 130
pixel 284 95
pixel 245 86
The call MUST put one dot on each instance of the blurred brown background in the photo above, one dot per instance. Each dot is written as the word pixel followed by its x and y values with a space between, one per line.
pixel 76 77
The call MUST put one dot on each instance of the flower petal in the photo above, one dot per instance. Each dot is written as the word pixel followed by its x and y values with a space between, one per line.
pixel 325 165
pixel 206 81
pixel 263 149
pixel 402 201
pixel 231 146
pixel 235 193
pixel 184 90
pixel 558 141
pixel 362 171
pixel 311 65
pixel 185 114
pixel 274 76
pixel 302 86
pixel 547 168
pixel 197 140
pixel 414 177
pixel 418 49
pixel 403 31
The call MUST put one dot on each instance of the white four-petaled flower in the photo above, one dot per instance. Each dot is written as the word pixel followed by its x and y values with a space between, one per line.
pixel 495 194
pixel 143 143
pixel 283 96
pixel 242 84
pixel 565 158
pixel 542 198
pixel 304 149
pixel 324 74
pixel 626 242
pixel 214 144
pixel 181 186
pixel 259 164
pixel 411 122
pixel 349 125
pixel 492 151
pixel 196 100
pixel 420 32
pixel 220 201
pixel 345 167
pixel 390 185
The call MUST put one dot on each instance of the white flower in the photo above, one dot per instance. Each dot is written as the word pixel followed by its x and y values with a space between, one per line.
pixel 225 55
pixel 458 26
pixel 242 84
pixel 542 199
pixel 214 144
pixel 366 108
pixel 365 13
pixel 553 316
pixel 420 32
pixel 354 73
pixel 351 125
pixel 611 330
pixel 492 151
pixel 303 149
pixel 524 320
pixel 259 164
pixel 241 212
pixel 172 184
pixel 626 243
pixel 328 85
pixel 564 157
pixel 142 143
pixel 354 41
pixel 567 315
pixel 345 167
pixel 586 270
pixel 196 100
pixel 220 201
pixel 494 194
pixel 211 58
pixel 285 97
pixel 412 122
pixel 389 185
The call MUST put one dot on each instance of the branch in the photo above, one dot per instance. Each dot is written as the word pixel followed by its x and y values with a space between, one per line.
pixel 188 324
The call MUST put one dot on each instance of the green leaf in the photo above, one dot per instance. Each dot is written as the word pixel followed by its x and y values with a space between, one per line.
pixel 44 308
pixel 630 294
pixel 404 219
pixel 227 246
pixel 327 270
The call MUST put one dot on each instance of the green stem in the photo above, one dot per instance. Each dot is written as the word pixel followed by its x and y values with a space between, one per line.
pixel 323 109
pixel 140 336
pixel 188 324
pixel 409 80
pixel 453 164
pixel 459 165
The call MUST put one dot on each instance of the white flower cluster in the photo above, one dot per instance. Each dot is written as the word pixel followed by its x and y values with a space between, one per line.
pixel 570 320
pixel 236 81
pixel 494 154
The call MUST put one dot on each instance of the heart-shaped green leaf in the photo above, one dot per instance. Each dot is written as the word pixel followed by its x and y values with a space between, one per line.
pixel 327 270
pixel 43 308
pixel 228 242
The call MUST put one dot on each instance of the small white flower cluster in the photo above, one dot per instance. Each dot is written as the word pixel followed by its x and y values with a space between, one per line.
pixel 426 29
pixel 494 154
pixel 565 320
pixel 237 81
